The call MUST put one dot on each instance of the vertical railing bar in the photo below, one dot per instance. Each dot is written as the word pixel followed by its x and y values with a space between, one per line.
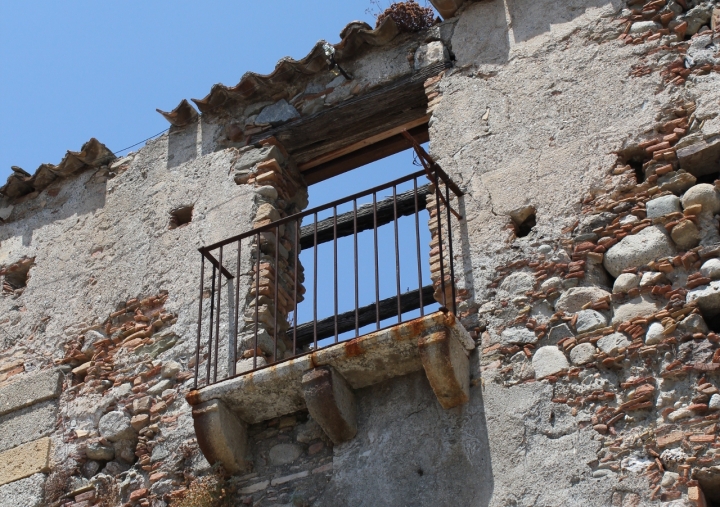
pixel 450 249
pixel 315 257
pixel 277 284
pixel 377 267
pixel 257 298
pixel 397 255
pixel 200 313
pixel 419 258
pixel 357 284
pixel 335 275
pixel 210 338
pixel 237 309
pixel 217 322
pixel 295 301
pixel 438 215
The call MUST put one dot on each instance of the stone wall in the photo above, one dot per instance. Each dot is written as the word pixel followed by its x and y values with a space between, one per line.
pixel 584 135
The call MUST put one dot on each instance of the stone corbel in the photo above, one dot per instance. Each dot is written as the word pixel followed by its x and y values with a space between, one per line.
pixel 331 402
pixel 447 366
pixel 221 435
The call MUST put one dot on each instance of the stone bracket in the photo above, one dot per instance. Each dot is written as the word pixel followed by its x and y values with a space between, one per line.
pixel 331 402
pixel 447 366
pixel 221 435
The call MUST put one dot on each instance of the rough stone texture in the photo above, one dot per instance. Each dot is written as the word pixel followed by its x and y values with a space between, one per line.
pixel 685 235
pixel 27 424
pixel 28 492
pixel 517 336
pixel 663 206
pixel 703 194
pixel 637 250
pixel 635 307
pixel 612 342
pixel 707 298
pixel 428 54
pixel 116 426
pixel 655 334
pixel 278 113
pixel 589 320
pixel 25 460
pixel 284 454
pixel 28 390
pixel 574 299
pixel 625 282
pixel 582 354
pixel 711 269
pixel 549 361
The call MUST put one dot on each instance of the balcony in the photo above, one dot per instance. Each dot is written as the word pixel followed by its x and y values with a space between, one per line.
pixel 255 362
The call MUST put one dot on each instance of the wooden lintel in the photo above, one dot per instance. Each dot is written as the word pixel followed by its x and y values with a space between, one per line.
pixel 366 155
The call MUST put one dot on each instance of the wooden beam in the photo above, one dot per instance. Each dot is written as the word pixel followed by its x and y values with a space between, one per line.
pixel 365 142
pixel 366 155
pixel 356 119
pixel 365 218
pixel 366 315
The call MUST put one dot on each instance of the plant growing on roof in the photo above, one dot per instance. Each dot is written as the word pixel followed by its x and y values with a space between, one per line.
pixel 408 16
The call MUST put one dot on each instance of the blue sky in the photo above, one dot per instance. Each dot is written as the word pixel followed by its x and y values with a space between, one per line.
pixel 73 70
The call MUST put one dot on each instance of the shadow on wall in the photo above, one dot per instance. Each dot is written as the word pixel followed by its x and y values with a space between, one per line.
pixel 63 199
pixel 531 18
pixel 482 35
pixel 410 451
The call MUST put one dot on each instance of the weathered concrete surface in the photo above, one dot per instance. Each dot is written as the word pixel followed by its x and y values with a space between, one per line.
pixel 30 389
pixel 25 460
pixel 331 403
pixel 222 437
pixel 23 493
pixel 27 424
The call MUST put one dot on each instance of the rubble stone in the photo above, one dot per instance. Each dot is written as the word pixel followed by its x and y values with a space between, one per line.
pixel 284 454
pixel 637 250
pixel 518 283
pixel 654 334
pixel 582 354
pixel 685 235
pixel 644 26
pixel 99 452
pixel 612 342
pixel 170 369
pixel 549 360
pixel 664 205
pixel 589 320
pixel 707 298
pixel 635 307
pixel 704 194
pixel 518 336
pixel 714 403
pixel 277 113
pixel 116 426
pixel 625 282
pixel 431 53
pixel 692 324
pixel 559 332
pixel 711 269
pixel 574 299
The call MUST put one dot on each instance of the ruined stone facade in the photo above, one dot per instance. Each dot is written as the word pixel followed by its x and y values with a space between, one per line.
pixel 585 136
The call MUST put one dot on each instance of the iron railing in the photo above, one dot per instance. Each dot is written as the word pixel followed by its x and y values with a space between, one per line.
pixel 273 267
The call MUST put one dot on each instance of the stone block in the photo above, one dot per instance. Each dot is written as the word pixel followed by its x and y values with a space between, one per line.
pixel 27 424
pixel 25 460
pixel 331 403
pixel 221 435
pixel 574 299
pixel 447 368
pixel 549 360
pixel 28 492
pixel 637 250
pixel 430 54
pixel 700 158
pixel 30 389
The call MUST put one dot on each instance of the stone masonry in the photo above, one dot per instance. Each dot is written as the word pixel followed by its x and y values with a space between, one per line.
pixel 585 136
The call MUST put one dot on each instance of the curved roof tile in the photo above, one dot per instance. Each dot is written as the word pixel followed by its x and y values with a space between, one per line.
pixel 354 37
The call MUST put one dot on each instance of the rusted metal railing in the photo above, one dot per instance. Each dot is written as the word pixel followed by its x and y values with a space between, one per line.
pixel 265 254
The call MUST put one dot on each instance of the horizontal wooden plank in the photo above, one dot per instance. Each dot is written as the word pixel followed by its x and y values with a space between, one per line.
pixel 365 218
pixel 387 308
